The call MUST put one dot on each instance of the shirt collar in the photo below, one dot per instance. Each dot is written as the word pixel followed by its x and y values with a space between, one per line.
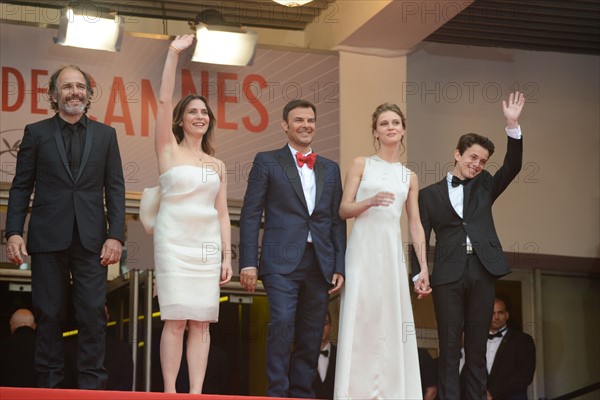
pixel 294 151
pixel 327 348
pixel 82 121
pixel 502 330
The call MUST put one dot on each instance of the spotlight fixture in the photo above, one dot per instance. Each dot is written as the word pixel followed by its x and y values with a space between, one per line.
pixel 292 3
pixel 220 43
pixel 89 32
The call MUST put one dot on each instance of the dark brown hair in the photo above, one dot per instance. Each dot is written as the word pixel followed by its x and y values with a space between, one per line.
pixel 299 103
pixel 178 111
pixel 469 139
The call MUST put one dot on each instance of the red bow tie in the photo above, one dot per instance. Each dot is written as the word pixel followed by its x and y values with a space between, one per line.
pixel 308 160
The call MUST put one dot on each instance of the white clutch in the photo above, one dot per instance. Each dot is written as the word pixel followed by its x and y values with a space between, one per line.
pixel 149 205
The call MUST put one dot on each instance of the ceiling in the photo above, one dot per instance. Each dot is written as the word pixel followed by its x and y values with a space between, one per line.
pixel 571 26
pixel 250 13
pixel 545 25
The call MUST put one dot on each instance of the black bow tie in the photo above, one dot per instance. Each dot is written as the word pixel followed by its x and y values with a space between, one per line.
pixel 325 353
pixel 495 335
pixel 457 181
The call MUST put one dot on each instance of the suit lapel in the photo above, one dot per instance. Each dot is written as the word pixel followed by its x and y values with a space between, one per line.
pixel 500 352
pixel 89 135
pixel 61 146
pixel 467 190
pixel 320 170
pixel 442 187
pixel 466 198
pixel 287 163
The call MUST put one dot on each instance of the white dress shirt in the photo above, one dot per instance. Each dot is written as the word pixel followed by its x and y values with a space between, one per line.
pixel 324 362
pixel 492 348
pixel 308 181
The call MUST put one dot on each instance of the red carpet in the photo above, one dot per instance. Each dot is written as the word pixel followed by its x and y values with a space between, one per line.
pixel 9 393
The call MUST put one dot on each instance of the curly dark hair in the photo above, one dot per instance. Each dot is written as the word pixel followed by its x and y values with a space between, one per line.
pixel 53 89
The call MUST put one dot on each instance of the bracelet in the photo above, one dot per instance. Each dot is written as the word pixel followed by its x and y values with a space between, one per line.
pixel 175 49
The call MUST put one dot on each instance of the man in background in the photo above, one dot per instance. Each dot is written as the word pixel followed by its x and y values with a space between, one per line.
pixel 510 358
pixel 323 384
pixel 16 351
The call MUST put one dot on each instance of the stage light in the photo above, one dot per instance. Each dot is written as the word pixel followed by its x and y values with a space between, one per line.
pixel 226 45
pixel 292 3
pixel 89 32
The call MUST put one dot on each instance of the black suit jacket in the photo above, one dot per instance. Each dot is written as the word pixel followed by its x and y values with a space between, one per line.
pixel 324 390
pixel 61 198
pixel 513 368
pixel 451 230
pixel 274 186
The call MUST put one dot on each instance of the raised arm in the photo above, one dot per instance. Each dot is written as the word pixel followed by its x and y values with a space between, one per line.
pixel 350 208
pixel 512 109
pixel 513 160
pixel 163 135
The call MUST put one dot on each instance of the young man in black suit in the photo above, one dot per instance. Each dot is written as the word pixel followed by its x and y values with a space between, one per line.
pixel 468 256
pixel 510 358
pixel 73 162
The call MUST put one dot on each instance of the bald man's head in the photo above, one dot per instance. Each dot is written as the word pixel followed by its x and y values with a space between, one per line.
pixel 21 317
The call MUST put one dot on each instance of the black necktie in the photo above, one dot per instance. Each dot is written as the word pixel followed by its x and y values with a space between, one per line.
pixel 75 155
pixel 457 181
pixel 325 353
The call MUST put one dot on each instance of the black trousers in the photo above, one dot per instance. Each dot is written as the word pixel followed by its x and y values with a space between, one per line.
pixel 465 306
pixel 51 276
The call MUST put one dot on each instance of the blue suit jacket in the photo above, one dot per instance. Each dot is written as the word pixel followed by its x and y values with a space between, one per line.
pixel 274 186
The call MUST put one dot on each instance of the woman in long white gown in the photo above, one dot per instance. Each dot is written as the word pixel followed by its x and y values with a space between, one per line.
pixel 192 235
pixel 377 349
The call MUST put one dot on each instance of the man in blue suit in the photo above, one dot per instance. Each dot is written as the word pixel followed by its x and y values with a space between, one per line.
pixel 302 253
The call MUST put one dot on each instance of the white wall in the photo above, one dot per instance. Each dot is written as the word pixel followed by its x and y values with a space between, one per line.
pixel 571 330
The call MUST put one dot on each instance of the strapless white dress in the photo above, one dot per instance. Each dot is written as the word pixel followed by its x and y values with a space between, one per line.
pixel 187 244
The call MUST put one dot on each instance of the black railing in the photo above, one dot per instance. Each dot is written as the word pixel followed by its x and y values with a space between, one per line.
pixel 576 393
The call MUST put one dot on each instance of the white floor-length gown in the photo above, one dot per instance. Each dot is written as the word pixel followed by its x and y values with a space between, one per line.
pixel 377 349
